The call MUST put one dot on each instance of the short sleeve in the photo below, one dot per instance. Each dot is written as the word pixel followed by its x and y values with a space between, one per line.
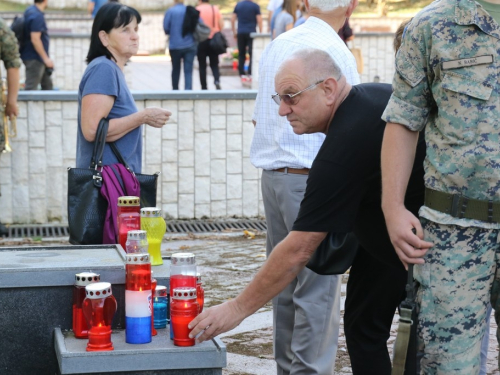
pixel 411 101
pixel 102 80
pixel 9 48
pixel 38 24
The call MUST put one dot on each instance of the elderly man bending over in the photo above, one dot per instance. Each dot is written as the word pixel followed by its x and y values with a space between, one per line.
pixel 343 194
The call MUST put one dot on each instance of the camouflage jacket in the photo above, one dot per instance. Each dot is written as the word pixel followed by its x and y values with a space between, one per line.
pixel 9 50
pixel 447 80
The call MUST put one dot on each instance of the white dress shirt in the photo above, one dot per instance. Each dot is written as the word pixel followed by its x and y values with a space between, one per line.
pixel 274 143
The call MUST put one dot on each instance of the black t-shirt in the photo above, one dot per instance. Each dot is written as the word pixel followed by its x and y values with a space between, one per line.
pixel 343 192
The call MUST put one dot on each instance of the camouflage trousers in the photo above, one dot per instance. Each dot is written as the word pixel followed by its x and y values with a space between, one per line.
pixel 460 276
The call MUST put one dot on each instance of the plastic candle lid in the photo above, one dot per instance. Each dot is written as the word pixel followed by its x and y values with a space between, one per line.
pixel 129 201
pixel 98 290
pixel 85 278
pixel 151 212
pixel 183 258
pixel 184 293
pixel 138 258
pixel 136 235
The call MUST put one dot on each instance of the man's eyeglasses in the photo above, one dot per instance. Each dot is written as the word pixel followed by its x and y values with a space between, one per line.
pixel 291 99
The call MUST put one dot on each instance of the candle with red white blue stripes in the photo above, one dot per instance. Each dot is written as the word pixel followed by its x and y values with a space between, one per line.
pixel 138 299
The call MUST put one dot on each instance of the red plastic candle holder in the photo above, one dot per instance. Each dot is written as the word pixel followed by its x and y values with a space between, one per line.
pixel 82 279
pixel 99 308
pixel 183 310
pixel 128 217
pixel 200 292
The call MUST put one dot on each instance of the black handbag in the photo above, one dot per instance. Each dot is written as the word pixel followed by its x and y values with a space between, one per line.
pixel 86 206
pixel 218 43
pixel 334 255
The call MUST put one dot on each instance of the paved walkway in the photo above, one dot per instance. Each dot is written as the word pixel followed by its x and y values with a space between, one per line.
pixel 152 73
pixel 227 265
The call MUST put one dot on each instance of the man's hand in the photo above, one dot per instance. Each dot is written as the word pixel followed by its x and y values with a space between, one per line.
pixel 409 246
pixel 11 110
pixel 216 320
pixel 48 63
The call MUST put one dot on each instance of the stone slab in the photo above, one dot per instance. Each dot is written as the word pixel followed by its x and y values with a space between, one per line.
pixel 57 265
pixel 36 294
pixel 160 356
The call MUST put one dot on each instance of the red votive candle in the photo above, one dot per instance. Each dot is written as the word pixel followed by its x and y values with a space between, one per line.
pixel 81 281
pixel 183 310
pixel 200 292
pixel 99 307
pixel 128 217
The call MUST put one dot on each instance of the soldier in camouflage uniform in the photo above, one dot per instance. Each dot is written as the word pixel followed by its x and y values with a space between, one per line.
pixel 9 54
pixel 446 80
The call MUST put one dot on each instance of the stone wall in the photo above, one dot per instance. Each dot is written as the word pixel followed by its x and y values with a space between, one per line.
pixel 203 154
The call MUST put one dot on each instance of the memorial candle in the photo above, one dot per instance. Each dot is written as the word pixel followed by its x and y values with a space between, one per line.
pixel 183 310
pixel 99 307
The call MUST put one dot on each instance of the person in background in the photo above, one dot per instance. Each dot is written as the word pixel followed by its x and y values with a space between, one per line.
pixel 94 6
pixel 35 50
pixel 345 32
pixel 248 15
pixel 303 17
pixel 211 17
pixel 286 18
pixel 9 54
pixel 103 91
pixel 182 47
pixel 272 7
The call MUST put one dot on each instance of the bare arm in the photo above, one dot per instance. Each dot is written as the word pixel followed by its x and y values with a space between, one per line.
pixel 90 7
pixel 221 22
pixel 398 155
pixel 269 18
pixel 97 106
pixel 12 91
pixel 36 39
pixel 288 258
pixel 289 26
pixel 233 24
pixel 259 22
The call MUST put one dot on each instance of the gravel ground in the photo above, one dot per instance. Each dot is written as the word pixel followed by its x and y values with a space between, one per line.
pixel 227 262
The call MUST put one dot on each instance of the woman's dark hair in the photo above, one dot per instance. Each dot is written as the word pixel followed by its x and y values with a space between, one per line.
pixel 110 16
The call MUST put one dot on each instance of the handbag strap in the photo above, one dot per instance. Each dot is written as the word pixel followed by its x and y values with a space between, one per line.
pixel 119 156
pixel 99 143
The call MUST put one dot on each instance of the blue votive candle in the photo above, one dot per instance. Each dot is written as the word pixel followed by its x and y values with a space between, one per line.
pixel 160 306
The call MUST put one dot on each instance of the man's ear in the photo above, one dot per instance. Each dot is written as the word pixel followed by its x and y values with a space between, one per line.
pixel 103 36
pixel 306 4
pixel 330 87
pixel 351 7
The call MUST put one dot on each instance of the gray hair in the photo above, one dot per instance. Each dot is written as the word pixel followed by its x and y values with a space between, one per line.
pixel 320 65
pixel 328 5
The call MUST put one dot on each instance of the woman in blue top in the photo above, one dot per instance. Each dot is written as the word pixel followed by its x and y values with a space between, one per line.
pixel 103 91
pixel 181 47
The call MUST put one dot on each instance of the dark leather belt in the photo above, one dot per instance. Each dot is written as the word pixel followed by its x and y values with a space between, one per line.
pixel 462 207
pixel 292 170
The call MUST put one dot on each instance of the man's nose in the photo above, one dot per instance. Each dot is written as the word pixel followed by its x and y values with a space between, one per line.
pixel 284 109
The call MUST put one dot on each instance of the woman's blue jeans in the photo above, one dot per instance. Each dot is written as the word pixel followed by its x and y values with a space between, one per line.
pixel 187 55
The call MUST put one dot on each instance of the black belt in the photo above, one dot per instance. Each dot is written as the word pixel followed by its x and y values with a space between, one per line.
pixel 462 207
